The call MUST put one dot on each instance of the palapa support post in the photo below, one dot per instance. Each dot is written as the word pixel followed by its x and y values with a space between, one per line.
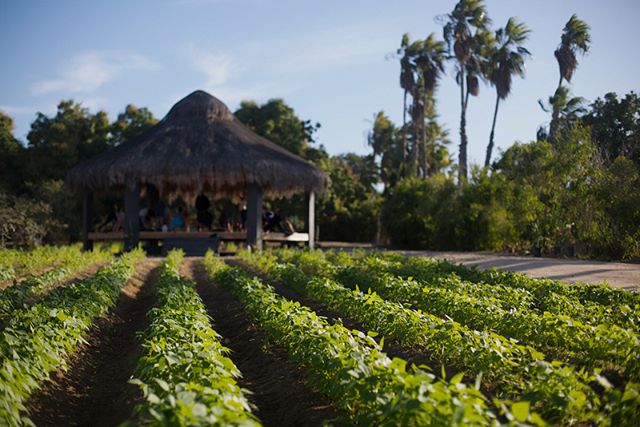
pixel 310 198
pixel 254 216
pixel 131 216
pixel 87 219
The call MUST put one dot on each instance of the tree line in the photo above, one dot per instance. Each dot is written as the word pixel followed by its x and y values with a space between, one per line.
pixel 571 191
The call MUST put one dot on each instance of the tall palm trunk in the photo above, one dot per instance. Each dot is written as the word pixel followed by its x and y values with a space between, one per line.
pixel 487 160
pixel 462 155
pixel 427 139
pixel 415 147
pixel 555 115
pixel 403 164
pixel 424 153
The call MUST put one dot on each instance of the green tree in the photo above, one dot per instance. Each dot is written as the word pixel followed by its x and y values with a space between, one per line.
pixel 615 126
pixel 505 61
pixel 575 39
pixel 429 60
pixel 407 83
pixel 465 32
pixel 130 123
pixel 277 121
pixel 387 147
pixel 349 209
pixel 23 221
pixel 11 156
pixel 58 143
pixel 568 110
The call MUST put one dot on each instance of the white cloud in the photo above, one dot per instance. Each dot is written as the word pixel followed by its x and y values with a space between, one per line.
pixel 88 71
pixel 260 69
pixel 20 110
pixel 216 67
pixel 16 110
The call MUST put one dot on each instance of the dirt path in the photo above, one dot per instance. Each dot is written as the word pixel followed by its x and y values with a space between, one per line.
pixel 277 385
pixel 616 274
pixel 95 390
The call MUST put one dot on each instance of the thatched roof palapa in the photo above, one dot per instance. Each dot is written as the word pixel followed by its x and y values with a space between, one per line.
pixel 199 146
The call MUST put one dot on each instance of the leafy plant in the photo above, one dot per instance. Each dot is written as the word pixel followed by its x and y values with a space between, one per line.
pixel 184 373
pixel 37 339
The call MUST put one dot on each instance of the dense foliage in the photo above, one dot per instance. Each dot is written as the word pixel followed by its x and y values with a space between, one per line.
pixel 184 373
pixel 561 198
pixel 374 290
pixel 350 366
pixel 570 192
pixel 68 261
pixel 37 339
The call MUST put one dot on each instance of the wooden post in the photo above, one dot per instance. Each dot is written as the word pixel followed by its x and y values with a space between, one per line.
pixel 254 216
pixel 87 219
pixel 131 216
pixel 311 218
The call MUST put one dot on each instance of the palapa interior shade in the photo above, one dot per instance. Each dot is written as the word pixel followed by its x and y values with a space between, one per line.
pixel 199 146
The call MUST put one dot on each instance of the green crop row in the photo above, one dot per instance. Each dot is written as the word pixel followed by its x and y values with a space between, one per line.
pixel 593 304
pixel 556 391
pixel 184 373
pixel 583 292
pixel 539 295
pixel 37 339
pixel 17 262
pixel 318 262
pixel 607 346
pixel 351 368
pixel 559 336
pixel 16 296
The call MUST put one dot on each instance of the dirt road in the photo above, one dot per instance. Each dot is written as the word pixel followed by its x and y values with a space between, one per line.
pixel 620 275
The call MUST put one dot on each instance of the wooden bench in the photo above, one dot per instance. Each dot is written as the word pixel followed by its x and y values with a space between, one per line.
pixel 195 243
pixel 222 235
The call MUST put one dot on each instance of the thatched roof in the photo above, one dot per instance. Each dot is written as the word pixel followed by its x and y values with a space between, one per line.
pixel 199 146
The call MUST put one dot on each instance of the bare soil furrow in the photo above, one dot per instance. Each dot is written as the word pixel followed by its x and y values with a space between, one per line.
pixel 94 391
pixel 277 385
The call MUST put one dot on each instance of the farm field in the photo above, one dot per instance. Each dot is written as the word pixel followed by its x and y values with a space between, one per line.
pixel 293 337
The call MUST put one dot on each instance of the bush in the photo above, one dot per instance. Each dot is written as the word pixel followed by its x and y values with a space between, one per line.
pixel 23 222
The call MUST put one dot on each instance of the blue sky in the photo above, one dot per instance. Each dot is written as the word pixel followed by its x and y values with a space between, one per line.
pixel 329 60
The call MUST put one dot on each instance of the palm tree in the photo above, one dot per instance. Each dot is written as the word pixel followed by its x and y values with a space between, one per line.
pixel 575 39
pixel 407 83
pixel 506 60
pixel 569 109
pixel 430 66
pixel 466 15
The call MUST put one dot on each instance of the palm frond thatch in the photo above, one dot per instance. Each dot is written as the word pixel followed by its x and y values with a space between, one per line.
pixel 199 146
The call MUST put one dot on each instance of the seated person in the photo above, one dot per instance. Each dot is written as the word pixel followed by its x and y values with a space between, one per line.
pixel 113 222
pixel 177 221
pixel 269 221
pixel 278 222
pixel 148 222
pixel 205 219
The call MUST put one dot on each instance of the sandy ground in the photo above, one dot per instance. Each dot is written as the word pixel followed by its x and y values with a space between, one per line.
pixel 620 275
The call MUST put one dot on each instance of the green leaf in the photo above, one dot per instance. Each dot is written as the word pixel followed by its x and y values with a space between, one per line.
pixel 163 384
pixel 520 411
pixel 457 378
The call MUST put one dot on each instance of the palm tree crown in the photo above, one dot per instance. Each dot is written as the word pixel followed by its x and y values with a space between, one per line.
pixel 509 56
pixel 457 31
pixel 575 39
pixel 430 61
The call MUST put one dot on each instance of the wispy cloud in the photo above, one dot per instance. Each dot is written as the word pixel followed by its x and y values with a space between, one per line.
pixel 277 66
pixel 20 110
pixel 215 66
pixel 88 71
pixel 199 2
